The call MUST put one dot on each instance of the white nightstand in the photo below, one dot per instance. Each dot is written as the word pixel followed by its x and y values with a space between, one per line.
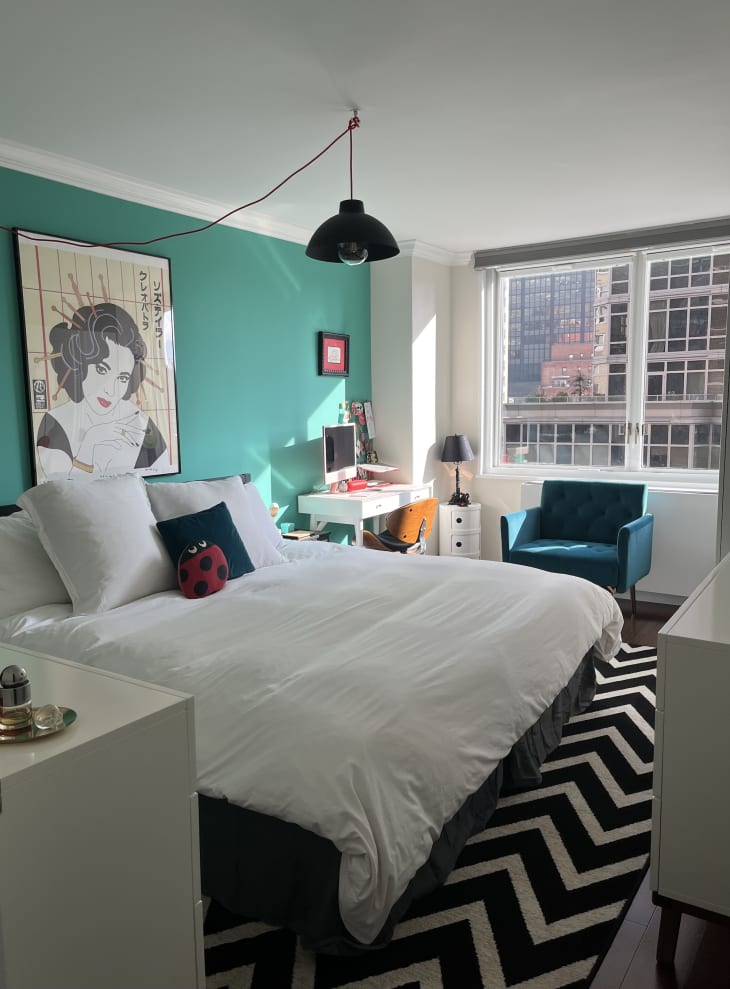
pixel 460 531
pixel 100 883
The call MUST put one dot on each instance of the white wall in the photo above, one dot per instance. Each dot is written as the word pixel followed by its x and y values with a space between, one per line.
pixel 411 355
pixel 390 319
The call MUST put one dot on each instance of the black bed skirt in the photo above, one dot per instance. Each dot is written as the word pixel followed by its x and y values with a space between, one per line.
pixel 266 869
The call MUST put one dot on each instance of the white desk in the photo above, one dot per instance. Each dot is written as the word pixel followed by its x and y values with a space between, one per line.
pixel 352 508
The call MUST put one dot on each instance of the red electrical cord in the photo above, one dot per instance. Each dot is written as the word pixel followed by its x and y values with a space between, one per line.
pixel 352 124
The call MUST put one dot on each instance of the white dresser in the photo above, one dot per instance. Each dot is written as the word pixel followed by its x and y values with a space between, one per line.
pixel 690 849
pixel 99 868
pixel 460 531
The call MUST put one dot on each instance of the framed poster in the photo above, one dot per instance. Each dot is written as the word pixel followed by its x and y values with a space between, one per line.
pixel 99 353
pixel 334 354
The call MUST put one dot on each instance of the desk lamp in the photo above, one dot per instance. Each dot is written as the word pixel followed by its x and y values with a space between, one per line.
pixel 456 450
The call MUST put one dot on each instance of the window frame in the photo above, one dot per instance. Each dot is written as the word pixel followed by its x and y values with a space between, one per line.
pixel 495 357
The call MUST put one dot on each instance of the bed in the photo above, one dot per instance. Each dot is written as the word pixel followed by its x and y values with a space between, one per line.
pixel 357 713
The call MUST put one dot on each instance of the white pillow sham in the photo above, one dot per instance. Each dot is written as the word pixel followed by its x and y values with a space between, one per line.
pixel 262 516
pixel 102 538
pixel 170 499
pixel 28 579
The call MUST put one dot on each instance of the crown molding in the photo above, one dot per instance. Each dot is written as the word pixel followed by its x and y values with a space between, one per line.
pixel 71 171
pixel 77 173
pixel 439 255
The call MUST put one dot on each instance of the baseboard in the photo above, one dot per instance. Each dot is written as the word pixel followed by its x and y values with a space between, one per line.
pixel 650 598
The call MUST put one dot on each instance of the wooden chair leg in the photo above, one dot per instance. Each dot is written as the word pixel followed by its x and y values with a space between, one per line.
pixel 633 600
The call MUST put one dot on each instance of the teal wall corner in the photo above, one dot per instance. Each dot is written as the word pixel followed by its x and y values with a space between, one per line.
pixel 247 309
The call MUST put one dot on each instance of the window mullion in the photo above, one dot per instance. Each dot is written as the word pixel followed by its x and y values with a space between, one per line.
pixel 636 360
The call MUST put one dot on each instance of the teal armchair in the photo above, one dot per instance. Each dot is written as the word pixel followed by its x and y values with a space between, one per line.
pixel 599 530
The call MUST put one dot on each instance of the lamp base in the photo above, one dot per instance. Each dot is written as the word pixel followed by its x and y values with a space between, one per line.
pixel 460 498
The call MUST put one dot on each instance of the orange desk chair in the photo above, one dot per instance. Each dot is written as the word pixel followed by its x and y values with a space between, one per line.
pixel 406 529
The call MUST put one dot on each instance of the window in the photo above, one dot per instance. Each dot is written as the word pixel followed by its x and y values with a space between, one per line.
pixel 609 363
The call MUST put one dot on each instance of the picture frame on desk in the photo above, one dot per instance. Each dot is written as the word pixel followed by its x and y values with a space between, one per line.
pixel 333 354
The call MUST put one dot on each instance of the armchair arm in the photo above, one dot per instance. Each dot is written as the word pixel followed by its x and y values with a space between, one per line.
pixel 517 528
pixel 634 551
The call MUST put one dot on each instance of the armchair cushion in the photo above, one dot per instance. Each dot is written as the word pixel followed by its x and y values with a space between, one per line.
pixel 593 511
pixel 597 562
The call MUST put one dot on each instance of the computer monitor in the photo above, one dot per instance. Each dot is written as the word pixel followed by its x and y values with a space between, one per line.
pixel 339 453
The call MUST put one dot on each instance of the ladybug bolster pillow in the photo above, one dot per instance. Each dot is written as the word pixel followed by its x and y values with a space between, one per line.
pixel 202 569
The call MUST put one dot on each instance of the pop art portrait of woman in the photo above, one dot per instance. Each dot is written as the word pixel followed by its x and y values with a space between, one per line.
pixel 99 360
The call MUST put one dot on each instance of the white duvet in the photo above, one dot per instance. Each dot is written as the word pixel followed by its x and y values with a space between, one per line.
pixel 361 695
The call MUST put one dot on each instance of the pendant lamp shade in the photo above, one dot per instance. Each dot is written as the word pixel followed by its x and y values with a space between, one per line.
pixel 352 237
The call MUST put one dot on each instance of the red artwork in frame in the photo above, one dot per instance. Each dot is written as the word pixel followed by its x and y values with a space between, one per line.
pixel 334 354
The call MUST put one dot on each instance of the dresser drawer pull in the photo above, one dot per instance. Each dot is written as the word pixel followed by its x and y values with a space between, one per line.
pixel 458 545
pixel 459 520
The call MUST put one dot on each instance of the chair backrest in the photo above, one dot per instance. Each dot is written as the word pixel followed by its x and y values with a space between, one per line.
pixel 593 511
pixel 405 523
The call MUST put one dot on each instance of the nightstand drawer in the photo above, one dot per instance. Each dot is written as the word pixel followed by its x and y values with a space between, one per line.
pixel 465 543
pixel 459 518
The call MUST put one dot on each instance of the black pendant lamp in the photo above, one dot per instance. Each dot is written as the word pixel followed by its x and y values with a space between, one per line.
pixel 352 236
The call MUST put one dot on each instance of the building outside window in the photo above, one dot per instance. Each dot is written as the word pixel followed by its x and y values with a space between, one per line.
pixel 614 363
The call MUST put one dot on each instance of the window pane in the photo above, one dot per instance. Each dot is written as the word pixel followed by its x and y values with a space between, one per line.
pixel 687 393
pixel 547 454
pixel 618 456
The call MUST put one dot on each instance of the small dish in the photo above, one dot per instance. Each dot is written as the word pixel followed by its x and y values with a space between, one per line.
pixel 32 733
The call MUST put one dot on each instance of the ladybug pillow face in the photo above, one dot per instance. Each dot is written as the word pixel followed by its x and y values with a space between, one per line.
pixel 202 569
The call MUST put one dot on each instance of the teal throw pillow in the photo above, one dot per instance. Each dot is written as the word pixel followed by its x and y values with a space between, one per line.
pixel 214 525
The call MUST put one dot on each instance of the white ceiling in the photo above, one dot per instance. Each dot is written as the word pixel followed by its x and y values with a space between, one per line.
pixel 483 122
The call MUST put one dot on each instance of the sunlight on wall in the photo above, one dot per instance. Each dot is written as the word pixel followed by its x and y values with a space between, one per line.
pixel 424 390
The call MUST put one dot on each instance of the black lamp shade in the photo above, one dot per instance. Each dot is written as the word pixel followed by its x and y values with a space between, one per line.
pixel 456 449
pixel 351 225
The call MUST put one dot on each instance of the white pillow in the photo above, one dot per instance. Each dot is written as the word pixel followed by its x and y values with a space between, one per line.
pixel 170 499
pixel 102 537
pixel 28 579
pixel 262 516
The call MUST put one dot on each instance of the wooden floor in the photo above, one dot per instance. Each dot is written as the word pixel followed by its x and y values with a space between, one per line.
pixel 702 960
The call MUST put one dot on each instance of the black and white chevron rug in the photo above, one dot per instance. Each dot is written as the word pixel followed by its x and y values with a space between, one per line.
pixel 534 901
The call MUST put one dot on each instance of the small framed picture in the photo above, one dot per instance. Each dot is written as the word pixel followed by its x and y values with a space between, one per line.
pixel 334 354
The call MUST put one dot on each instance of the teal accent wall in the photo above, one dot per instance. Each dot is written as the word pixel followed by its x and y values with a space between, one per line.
pixel 247 310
